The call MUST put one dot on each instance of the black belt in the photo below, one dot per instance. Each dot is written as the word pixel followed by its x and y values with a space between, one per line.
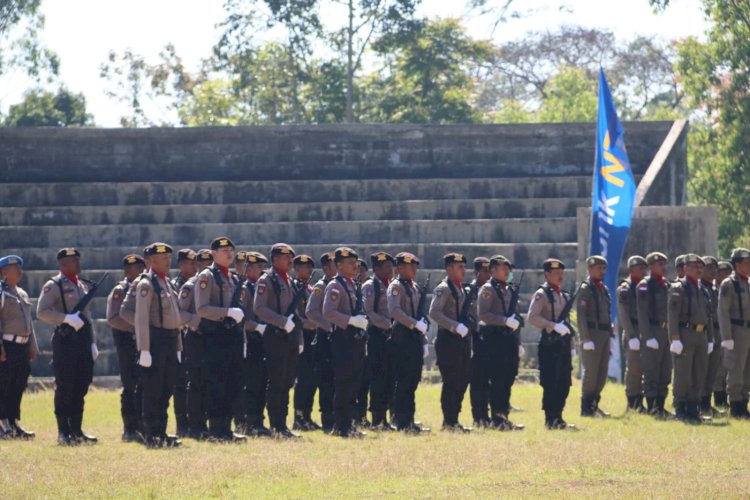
pixel 165 332
pixel 696 327
pixel 660 324
pixel 496 329
pixel 599 326
pixel 740 322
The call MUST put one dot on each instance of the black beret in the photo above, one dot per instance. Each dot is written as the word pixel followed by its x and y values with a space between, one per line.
pixel 185 254
pixel 256 257
pixel 304 259
pixel 240 256
pixel 454 258
pixel 68 252
pixel 327 257
pixel 362 263
pixel 497 260
pixel 551 264
pixel 380 257
pixel 221 242
pixel 481 262
pixel 282 249
pixel 131 259
pixel 342 253
pixel 406 258
pixel 204 255
pixel 157 249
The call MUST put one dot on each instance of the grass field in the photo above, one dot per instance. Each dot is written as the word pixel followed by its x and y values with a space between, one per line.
pixel 625 456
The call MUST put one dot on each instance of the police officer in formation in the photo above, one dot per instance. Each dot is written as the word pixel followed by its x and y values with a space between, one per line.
pixel 246 335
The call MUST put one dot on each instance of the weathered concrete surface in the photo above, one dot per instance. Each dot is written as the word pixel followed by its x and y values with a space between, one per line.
pixel 312 152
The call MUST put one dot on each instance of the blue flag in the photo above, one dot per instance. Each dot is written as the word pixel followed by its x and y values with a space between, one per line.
pixel 613 190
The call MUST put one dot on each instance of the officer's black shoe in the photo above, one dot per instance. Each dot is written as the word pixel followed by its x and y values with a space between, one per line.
pixel 651 406
pixel 19 432
pixel 131 436
pixel 171 441
pixel 77 433
pixel 363 423
pixel 153 442
pixel 738 409
pixel 300 424
pixel 587 407
pixel 64 439
pixel 601 413
pixel 502 423
pixel 455 428
pixel 661 411
pixel 709 411
pixel 561 424
pixel 311 424
pixel 285 433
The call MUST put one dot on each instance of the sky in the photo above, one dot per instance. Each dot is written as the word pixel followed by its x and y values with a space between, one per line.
pixel 82 32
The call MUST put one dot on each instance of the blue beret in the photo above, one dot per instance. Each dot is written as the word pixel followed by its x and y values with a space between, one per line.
pixel 11 259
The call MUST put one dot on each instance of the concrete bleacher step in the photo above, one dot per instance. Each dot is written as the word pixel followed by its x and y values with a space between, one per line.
pixel 561 229
pixel 287 191
pixel 283 212
pixel 523 255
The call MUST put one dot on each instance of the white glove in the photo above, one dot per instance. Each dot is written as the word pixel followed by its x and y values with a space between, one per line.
pixel 728 344
pixel 588 346
pixel 74 320
pixel 421 326
pixel 634 344
pixel 301 348
pixel 358 321
pixel 562 329
pixel 236 314
pixel 676 347
pixel 289 326
pixel 710 347
pixel 652 344
pixel 425 350
pixel 521 351
pixel 179 357
pixel 145 359
pixel 512 322
pixel 261 328
pixel 462 330
pixel 94 351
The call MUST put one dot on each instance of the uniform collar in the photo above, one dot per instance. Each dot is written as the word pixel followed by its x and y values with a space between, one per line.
pixel 71 277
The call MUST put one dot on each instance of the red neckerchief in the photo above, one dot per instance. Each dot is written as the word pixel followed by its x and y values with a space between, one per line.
pixel 386 282
pixel 692 280
pixel 281 274
pixel 163 276
pixel 72 277
pixel 598 283
pixel 741 276
pixel 659 279
pixel 634 280
pixel 457 283
pixel 251 280
pixel 223 269
pixel 554 288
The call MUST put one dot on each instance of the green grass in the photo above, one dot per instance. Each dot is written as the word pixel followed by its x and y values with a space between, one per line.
pixel 625 456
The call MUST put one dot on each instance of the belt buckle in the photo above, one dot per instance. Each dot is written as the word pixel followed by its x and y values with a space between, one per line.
pixel 699 328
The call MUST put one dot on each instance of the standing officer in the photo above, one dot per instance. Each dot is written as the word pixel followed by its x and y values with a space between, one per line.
pixel 18 347
pixel 360 414
pixel 453 343
pixel 322 354
pixel 378 365
pixel 409 340
pixel 123 334
pixel 555 344
pixel 719 383
pixel 656 362
pixel 595 325
pixel 254 375
pixel 304 392
pixel 193 352
pixel 73 352
pixel 499 329
pixel 734 322
pixel 273 296
pixel 627 313
pixel 690 326
pixel 708 280
pixel 187 266
pixel 223 338
pixel 240 262
pixel 157 333
pixel 347 340
pixel 480 362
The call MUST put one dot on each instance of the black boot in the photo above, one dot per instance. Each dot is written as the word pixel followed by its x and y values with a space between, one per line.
pixel 76 432
pixel 18 431
pixel 651 406
pixel 598 411
pixel 326 421
pixel 311 424
pixel 234 437
pixel 130 432
pixel 549 418
pixel 379 422
pixel 661 411
pixel 63 432
pixel 299 421
pixel 587 406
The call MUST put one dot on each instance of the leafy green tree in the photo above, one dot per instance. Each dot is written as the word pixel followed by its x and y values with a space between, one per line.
pixel 42 108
